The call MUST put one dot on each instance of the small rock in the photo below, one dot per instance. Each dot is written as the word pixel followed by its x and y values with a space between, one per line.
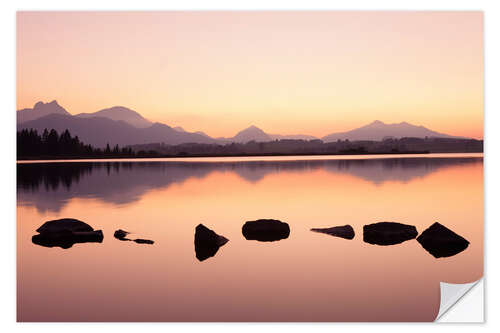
pixel 143 241
pixel 440 241
pixel 121 234
pixel 345 231
pixel 266 230
pixel 388 233
pixel 207 242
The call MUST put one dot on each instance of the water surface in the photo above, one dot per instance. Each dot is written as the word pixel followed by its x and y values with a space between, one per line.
pixel 306 277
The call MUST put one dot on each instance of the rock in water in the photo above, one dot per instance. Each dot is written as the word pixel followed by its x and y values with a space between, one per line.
pixel 388 233
pixel 207 242
pixel 345 231
pixel 441 241
pixel 121 235
pixel 266 230
pixel 66 238
pixel 63 225
pixel 143 241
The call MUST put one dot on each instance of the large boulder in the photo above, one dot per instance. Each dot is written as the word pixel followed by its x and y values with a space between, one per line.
pixel 66 232
pixel 266 230
pixel 345 231
pixel 441 241
pixel 63 225
pixel 388 233
pixel 65 239
pixel 207 242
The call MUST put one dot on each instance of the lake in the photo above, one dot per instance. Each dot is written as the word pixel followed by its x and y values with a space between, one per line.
pixel 308 276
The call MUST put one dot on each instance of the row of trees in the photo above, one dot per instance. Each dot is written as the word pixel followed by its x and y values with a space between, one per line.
pixel 50 143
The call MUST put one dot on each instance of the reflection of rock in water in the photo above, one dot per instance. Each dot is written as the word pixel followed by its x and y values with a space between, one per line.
pixel 207 242
pixel 388 233
pixel 266 230
pixel 441 241
pixel 122 235
pixel 345 231
pixel 66 232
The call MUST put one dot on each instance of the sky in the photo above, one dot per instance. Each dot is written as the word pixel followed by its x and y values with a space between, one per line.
pixel 292 72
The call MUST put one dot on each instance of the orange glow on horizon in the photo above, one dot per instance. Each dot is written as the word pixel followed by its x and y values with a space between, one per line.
pixel 310 72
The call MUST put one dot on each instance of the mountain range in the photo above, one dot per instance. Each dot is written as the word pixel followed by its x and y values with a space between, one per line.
pixel 123 126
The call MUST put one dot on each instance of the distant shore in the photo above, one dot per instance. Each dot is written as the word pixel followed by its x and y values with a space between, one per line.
pixel 31 158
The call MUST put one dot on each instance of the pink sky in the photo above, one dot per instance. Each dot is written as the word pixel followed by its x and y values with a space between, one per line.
pixel 285 72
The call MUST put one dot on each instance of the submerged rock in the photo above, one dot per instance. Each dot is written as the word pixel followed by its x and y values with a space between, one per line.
pixel 388 233
pixel 345 231
pixel 440 241
pixel 122 235
pixel 207 242
pixel 266 230
pixel 66 232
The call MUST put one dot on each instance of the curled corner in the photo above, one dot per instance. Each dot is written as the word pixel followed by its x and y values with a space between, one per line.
pixel 451 293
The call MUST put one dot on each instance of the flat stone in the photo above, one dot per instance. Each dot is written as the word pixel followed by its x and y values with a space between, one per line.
pixel 388 233
pixel 345 231
pixel 66 238
pixel 64 224
pixel 266 230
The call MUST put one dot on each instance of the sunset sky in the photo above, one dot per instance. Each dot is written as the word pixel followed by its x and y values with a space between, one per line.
pixel 285 72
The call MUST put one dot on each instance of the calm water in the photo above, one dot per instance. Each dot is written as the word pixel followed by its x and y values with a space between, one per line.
pixel 306 277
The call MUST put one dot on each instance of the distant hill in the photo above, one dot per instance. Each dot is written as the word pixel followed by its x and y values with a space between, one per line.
pixel 120 113
pixel 123 126
pixel 254 133
pixel 98 131
pixel 180 129
pixel 40 109
pixel 251 133
pixel 377 131
pixel 292 137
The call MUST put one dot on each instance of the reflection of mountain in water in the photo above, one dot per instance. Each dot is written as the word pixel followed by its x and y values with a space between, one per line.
pixel 50 186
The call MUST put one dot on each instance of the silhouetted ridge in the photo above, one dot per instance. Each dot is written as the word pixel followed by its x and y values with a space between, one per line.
pixel 378 130
pixel 40 109
pixel 120 113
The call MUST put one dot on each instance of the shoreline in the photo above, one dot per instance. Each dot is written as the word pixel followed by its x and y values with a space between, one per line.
pixel 254 158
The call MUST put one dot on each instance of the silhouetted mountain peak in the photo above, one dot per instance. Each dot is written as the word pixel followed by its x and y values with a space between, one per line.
pixel 252 133
pixel 378 130
pixel 179 129
pixel 252 129
pixel 120 113
pixel 40 109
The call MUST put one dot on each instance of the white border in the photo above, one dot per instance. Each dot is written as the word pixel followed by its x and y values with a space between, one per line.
pixel 492 146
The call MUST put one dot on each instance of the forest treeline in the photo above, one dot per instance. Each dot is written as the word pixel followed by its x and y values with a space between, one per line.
pixel 51 145
pixel 31 144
